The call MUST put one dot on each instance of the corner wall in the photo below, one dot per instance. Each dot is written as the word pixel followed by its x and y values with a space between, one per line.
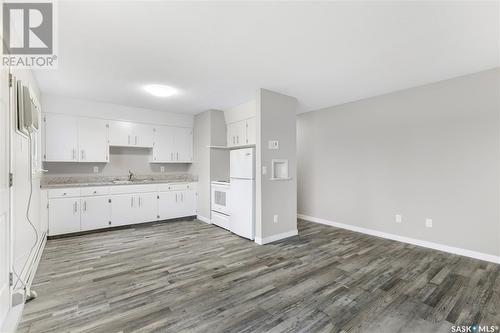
pixel 426 152
pixel 276 120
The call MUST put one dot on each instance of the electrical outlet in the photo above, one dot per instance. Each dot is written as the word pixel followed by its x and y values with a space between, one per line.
pixel 162 169
pixel 275 218
pixel 428 223
pixel 96 169
pixel 399 218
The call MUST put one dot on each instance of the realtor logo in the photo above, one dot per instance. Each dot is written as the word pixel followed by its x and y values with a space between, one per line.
pixel 28 33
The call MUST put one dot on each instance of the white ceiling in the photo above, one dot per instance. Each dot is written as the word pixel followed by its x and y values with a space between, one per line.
pixel 219 53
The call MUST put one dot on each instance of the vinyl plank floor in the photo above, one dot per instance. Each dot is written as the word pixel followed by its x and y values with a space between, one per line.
pixel 187 276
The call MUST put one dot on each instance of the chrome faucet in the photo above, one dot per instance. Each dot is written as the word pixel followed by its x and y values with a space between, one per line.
pixel 130 175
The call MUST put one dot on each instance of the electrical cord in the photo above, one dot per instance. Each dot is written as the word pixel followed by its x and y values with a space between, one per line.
pixel 19 279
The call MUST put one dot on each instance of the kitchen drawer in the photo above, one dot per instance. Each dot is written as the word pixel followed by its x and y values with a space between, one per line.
pixel 176 187
pixel 93 191
pixel 221 220
pixel 64 193
pixel 126 189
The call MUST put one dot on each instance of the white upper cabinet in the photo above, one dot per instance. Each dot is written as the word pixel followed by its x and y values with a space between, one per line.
pixel 183 142
pixel 251 131
pixel 93 140
pixel 172 145
pixel 74 139
pixel 241 133
pixel 128 134
pixel 61 138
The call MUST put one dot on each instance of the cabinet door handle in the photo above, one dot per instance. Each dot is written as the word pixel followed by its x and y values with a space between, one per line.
pixel 75 207
pixel 85 206
pixel 81 154
pixel 175 197
pixel 171 156
pixel 182 197
pixel 136 140
pixel 139 201
pixel 129 139
pixel 132 202
pixel 177 156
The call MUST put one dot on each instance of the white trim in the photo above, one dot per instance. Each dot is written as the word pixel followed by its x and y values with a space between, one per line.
pixel 274 238
pixel 418 242
pixel 203 219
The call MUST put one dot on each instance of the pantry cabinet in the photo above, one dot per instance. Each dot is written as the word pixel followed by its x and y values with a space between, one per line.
pixel 241 133
pixel 75 139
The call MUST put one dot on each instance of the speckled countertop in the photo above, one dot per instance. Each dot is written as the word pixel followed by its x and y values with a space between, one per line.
pixel 82 181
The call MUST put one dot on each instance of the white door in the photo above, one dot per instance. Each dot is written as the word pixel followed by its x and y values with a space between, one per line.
pixel 143 136
pixel 163 144
pixel 120 133
pixel 93 140
pixel 4 195
pixel 167 205
pixel 147 207
pixel 64 216
pixel 183 142
pixel 242 220
pixel 95 213
pixel 187 203
pixel 251 132
pixel 61 138
pixel 123 208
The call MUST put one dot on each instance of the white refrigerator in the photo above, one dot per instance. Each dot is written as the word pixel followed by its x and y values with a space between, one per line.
pixel 242 192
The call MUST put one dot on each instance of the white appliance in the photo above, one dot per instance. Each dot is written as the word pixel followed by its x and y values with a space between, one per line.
pixel 242 192
pixel 220 204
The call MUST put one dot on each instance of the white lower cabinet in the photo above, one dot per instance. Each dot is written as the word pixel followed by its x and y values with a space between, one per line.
pixel 64 215
pixel 176 203
pixel 89 208
pixel 123 209
pixel 95 213
pixel 147 207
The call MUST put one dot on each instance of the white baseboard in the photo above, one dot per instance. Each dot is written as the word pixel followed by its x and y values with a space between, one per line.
pixel 203 219
pixel 413 241
pixel 274 238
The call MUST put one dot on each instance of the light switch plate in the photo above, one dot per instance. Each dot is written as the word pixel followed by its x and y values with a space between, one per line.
pixel 162 169
pixel 399 218
pixel 428 223
pixel 96 169
pixel 274 144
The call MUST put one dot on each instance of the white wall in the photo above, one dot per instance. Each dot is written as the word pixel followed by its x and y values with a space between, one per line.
pixel 23 234
pixel 431 151
pixel 241 112
pixel 79 107
pixel 276 120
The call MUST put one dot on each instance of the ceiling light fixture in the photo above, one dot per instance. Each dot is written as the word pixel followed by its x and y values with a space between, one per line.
pixel 160 90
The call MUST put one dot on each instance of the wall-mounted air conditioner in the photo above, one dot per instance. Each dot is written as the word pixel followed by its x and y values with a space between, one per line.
pixel 27 111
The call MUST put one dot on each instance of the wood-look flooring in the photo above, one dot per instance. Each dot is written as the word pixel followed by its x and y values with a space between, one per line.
pixel 187 276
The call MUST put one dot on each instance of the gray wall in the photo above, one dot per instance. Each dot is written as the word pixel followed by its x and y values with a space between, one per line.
pixel 276 120
pixel 430 151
